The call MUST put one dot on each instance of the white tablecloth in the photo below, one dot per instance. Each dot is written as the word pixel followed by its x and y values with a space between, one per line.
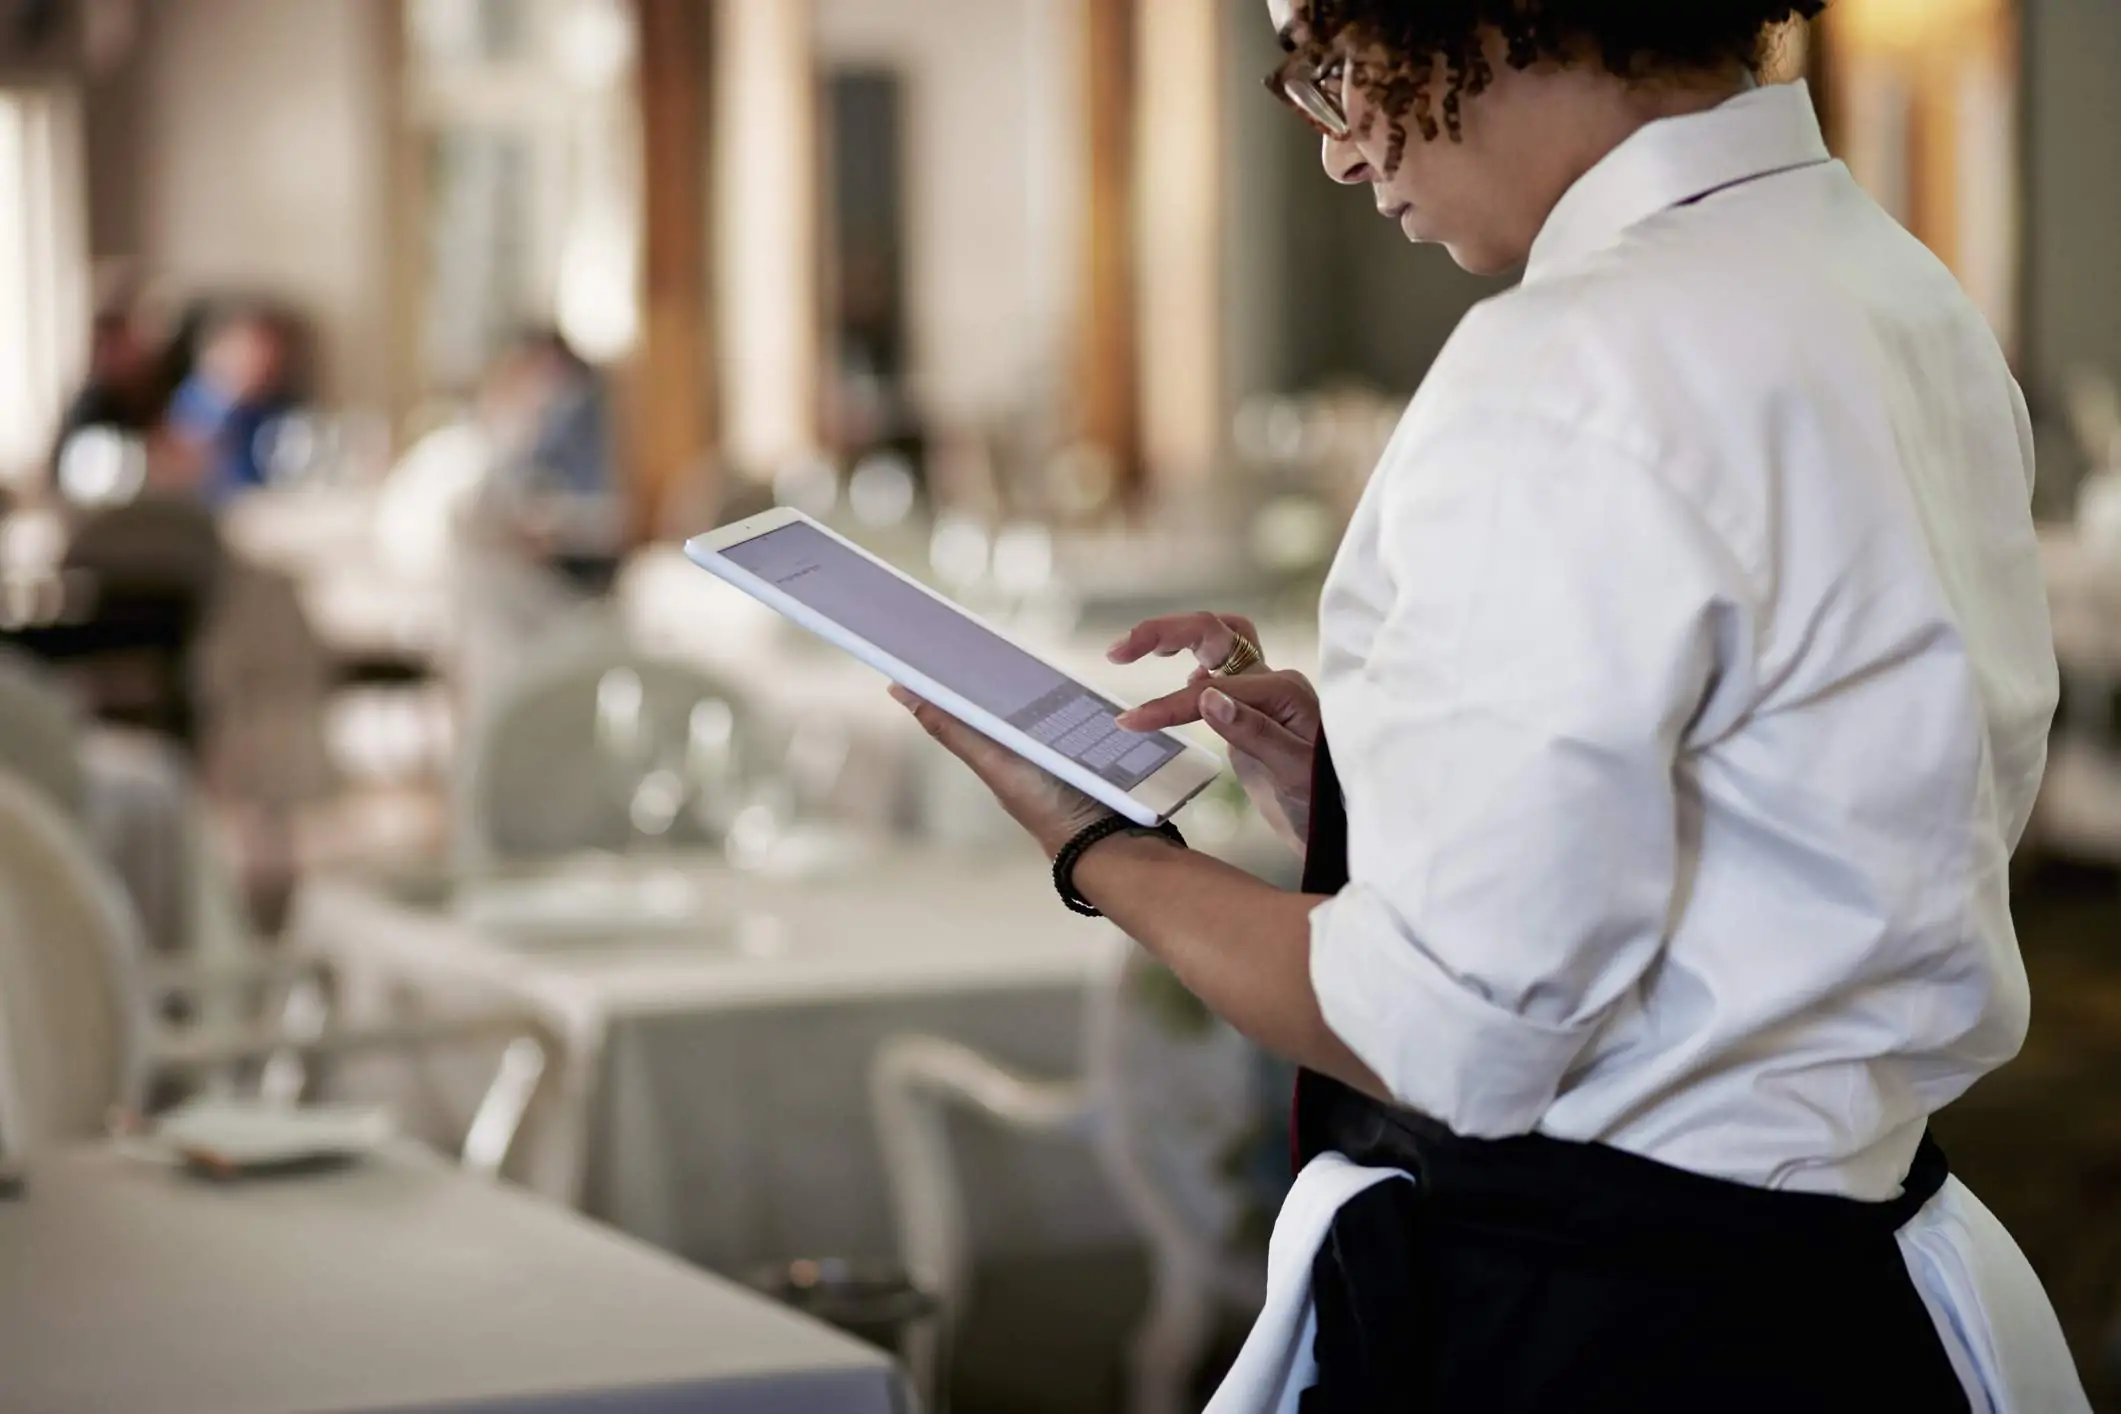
pixel 396 1284
pixel 713 1094
pixel 359 599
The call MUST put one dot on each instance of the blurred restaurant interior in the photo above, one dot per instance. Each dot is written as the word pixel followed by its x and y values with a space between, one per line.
pixel 369 750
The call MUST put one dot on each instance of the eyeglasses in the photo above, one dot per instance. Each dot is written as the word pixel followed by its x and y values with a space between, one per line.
pixel 1313 90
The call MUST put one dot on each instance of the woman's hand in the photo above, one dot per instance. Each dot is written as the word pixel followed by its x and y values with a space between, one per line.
pixel 1051 809
pixel 1270 719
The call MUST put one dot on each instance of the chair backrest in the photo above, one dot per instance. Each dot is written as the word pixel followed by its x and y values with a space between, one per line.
pixel 1176 1086
pixel 543 776
pixel 157 544
pixel 40 732
pixel 262 676
pixel 73 1018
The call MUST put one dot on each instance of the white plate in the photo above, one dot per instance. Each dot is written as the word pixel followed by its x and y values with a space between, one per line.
pixel 250 1134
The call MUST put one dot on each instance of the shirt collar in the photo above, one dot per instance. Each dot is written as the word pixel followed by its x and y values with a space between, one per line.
pixel 1675 160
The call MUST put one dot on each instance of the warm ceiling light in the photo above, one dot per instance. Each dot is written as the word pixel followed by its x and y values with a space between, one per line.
pixel 1908 24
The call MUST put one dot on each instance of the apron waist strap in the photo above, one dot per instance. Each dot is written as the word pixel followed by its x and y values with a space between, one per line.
pixel 1597 1196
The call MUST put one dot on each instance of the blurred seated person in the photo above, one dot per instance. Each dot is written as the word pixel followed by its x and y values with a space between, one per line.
pixel 99 452
pixel 552 488
pixel 221 416
pixel 119 391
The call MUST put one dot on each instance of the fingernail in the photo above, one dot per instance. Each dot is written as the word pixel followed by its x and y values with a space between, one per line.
pixel 1118 644
pixel 1217 705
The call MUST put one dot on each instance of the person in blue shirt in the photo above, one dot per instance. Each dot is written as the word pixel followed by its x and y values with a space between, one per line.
pixel 223 414
pixel 553 484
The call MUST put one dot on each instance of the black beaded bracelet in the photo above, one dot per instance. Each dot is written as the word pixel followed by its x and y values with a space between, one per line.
pixel 1072 852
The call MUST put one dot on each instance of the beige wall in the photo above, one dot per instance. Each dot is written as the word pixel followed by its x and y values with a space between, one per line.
pixel 244 147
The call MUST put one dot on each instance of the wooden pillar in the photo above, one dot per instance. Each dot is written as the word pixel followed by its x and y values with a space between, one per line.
pixel 1178 307
pixel 1106 385
pixel 1923 104
pixel 768 314
pixel 673 424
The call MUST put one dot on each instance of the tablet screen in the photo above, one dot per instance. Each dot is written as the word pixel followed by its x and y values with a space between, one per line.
pixel 928 634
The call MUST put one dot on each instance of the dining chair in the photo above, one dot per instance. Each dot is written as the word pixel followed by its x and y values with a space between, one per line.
pixel 596 746
pixel 157 544
pixel 81 1039
pixel 1165 1101
pixel 40 731
pixel 155 566
pixel 135 794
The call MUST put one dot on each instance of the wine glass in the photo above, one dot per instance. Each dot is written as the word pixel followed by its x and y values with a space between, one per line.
pixel 664 781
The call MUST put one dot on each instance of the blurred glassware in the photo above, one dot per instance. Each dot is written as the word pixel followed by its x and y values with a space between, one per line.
pixel 102 466
pixel 959 552
pixel 624 744
pixel 621 734
pixel 711 764
pixel 1023 559
pixel 1293 533
pixel 758 827
pixel 816 757
pixel 298 448
pixel 1268 431
pixel 881 491
pixel 792 823
pixel 809 484
pixel 1323 428
pixel 662 781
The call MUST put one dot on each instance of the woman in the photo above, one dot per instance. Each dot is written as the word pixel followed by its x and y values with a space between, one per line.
pixel 1687 670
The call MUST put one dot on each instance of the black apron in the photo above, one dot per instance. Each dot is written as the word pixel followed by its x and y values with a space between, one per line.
pixel 1537 1274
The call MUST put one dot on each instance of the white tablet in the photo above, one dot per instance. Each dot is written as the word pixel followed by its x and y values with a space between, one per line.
pixel 947 655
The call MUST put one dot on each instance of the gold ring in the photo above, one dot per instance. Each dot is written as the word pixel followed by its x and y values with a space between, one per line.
pixel 1244 653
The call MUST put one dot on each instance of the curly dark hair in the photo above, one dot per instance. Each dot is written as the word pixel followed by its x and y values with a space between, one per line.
pixel 1631 38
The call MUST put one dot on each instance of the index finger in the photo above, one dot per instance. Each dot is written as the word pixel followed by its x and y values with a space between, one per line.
pixel 1210 636
pixel 1173 709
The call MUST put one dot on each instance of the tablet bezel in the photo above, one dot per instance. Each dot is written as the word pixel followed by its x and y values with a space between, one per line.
pixel 1151 801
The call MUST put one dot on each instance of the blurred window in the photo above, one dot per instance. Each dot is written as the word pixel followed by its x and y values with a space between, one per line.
pixel 528 210
pixel 44 311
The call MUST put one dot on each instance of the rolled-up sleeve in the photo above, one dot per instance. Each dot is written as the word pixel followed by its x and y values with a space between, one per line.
pixel 1558 617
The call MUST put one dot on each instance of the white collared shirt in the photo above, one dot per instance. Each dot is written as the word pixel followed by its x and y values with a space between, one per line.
pixel 1688 672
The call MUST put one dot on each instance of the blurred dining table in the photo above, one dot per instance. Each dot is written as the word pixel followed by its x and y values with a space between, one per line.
pixel 367 600
pixel 717 1029
pixel 395 1283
